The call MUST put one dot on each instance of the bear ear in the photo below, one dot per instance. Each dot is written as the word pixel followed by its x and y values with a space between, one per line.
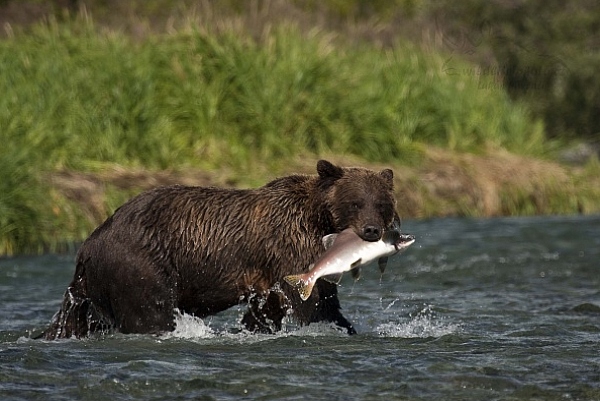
pixel 387 175
pixel 328 170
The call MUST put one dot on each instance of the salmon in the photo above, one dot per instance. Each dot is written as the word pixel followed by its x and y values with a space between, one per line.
pixel 346 251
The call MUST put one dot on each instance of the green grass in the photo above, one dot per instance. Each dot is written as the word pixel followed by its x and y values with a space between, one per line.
pixel 77 97
pixel 33 217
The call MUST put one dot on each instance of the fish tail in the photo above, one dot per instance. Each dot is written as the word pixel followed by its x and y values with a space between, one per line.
pixel 299 281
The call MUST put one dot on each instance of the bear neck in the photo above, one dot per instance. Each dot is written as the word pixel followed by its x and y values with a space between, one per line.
pixel 319 216
pixel 305 197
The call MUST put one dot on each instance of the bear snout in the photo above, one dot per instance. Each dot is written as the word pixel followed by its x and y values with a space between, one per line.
pixel 371 232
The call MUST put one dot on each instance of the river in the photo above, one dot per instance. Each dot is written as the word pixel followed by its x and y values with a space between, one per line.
pixel 476 309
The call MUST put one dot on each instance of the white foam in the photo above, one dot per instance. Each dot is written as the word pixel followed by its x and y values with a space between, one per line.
pixel 190 327
pixel 423 325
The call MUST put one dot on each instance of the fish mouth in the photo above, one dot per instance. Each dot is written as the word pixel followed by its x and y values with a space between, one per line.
pixel 404 241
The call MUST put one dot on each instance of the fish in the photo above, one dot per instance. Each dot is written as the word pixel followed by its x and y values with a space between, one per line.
pixel 346 251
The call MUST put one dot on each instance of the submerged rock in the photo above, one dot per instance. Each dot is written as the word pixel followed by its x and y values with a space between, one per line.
pixel 587 308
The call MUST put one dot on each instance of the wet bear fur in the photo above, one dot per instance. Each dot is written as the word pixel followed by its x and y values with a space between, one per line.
pixel 201 250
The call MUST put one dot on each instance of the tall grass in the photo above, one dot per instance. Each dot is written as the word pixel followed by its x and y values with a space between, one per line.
pixel 33 217
pixel 77 97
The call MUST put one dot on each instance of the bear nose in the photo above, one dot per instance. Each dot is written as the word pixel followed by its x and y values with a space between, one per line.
pixel 371 232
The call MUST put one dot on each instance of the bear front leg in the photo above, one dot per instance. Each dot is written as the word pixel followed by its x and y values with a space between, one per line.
pixel 328 308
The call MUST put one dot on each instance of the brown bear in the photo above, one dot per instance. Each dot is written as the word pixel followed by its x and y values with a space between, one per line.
pixel 201 250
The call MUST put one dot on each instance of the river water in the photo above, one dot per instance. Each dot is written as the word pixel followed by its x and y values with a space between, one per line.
pixel 486 309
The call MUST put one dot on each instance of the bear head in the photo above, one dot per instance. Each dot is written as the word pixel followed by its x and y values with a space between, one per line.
pixel 358 198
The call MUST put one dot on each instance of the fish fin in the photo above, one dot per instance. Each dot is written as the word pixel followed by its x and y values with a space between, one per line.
pixel 382 262
pixel 356 263
pixel 328 240
pixel 355 273
pixel 333 278
pixel 303 286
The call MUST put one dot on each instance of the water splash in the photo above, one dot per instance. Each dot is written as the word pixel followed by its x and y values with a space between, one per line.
pixel 190 327
pixel 423 325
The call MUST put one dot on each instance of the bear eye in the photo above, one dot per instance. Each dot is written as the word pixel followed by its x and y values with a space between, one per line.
pixel 355 206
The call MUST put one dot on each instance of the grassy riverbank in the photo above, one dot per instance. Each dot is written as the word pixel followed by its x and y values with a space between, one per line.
pixel 90 116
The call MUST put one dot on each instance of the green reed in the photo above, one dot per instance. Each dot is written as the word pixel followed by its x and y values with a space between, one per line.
pixel 81 98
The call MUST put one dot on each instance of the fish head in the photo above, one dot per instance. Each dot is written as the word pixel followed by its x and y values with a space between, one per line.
pixel 395 242
pixel 403 241
pixel 398 240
